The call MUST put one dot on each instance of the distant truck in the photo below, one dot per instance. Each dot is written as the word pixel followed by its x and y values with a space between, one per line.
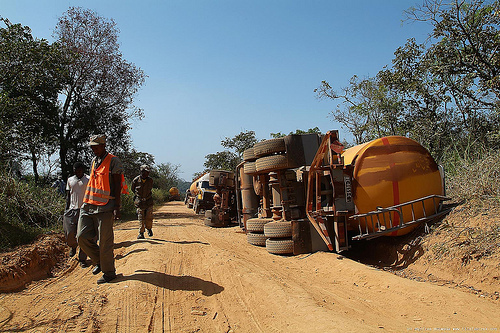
pixel 224 211
pixel 200 194
pixel 306 193
pixel 174 194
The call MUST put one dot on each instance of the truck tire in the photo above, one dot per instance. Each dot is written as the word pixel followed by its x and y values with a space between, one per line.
pixel 213 223
pixel 279 246
pixel 257 224
pixel 196 206
pixel 248 155
pixel 269 147
pixel 249 168
pixel 208 218
pixel 209 223
pixel 280 229
pixel 256 239
pixel 272 163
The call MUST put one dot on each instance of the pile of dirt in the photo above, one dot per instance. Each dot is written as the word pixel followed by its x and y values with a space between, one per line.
pixel 461 251
pixel 32 262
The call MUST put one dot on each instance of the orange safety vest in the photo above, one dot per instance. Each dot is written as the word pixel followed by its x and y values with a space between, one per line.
pixel 98 191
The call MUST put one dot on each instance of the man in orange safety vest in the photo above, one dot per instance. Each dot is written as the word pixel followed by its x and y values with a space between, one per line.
pixel 101 206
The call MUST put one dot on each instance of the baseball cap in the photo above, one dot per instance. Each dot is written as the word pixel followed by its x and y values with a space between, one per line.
pixel 99 139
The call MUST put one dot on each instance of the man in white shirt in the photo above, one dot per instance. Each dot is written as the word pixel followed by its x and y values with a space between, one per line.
pixel 75 190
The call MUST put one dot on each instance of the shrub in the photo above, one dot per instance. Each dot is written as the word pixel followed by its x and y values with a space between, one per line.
pixel 128 210
pixel 478 178
pixel 26 211
pixel 160 196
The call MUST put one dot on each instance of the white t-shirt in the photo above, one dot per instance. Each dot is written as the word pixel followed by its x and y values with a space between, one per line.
pixel 76 188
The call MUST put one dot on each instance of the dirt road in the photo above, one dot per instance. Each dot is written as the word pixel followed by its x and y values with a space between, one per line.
pixel 192 278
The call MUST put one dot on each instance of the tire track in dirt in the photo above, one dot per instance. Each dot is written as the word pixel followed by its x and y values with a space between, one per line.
pixel 235 296
pixel 51 304
pixel 266 293
pixel 192 278
pixel 339 291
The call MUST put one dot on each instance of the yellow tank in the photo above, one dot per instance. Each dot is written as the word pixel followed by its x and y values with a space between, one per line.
pixel 193 189
pixel 174 191
pixel 390 171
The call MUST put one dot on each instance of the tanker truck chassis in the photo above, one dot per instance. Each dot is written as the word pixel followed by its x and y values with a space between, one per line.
pixel 310 194
pixel 223 211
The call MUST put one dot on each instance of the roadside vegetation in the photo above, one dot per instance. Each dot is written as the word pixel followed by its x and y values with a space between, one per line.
pixel 26 211
pixel 53 97
pixel 471 233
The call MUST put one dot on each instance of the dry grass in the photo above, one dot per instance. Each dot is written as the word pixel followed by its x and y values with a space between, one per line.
pixel 472 230
pixel 467 234
pixel 473 180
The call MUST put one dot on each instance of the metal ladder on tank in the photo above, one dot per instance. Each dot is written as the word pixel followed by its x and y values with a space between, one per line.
pixel 382 221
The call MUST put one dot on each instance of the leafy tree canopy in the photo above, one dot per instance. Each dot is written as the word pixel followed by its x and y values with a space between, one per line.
pixel 298 131
pixel 228 160
pixel 444 94
pixel 32 73
pixel 166 176
pixel 98 98
pixel 240 142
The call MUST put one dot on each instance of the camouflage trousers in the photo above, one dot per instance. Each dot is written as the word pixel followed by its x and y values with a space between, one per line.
pixel 145 217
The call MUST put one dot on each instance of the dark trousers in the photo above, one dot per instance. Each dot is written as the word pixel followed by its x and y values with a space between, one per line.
pixel 100 225
pixel 70 226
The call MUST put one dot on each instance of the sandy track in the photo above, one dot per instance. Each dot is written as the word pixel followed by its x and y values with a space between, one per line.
pixel 192 278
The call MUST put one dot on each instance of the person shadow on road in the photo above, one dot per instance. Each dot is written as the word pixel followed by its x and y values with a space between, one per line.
pixel 172 282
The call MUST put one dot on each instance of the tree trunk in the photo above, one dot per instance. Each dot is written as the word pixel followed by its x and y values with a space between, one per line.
pixel 34 162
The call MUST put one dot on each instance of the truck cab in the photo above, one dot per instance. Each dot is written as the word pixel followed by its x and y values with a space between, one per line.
pixel 202 194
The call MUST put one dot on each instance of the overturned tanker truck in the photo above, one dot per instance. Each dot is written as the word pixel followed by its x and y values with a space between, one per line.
pixel 306 193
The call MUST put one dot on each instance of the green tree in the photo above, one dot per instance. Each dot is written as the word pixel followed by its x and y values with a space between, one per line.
pixel 466 58
pixel 240 142
pixel 31 76
pixel 467 45
pixel 444 93
pixel 98 98
pixel 368 108
pixel 228 160
pixel 298 131
pixel 428 112
pixel 225 160
pixel 165 176
pixel 132 161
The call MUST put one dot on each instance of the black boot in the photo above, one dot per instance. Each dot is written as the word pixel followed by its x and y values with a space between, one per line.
pixel 97 269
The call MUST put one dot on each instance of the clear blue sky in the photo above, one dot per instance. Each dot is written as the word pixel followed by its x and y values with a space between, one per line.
pixel 217 68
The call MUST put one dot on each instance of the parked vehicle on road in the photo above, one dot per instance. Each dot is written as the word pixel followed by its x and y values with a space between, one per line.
pixel 224 211
pixel 200 195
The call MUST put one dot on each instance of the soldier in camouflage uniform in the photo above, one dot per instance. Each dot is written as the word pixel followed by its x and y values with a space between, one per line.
pixel 142 186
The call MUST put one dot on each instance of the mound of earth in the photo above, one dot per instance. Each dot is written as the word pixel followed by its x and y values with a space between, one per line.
pixel 461 251
pixel 32 262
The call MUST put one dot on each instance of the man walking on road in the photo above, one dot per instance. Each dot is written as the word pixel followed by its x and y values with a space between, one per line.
pixel 142 187
pixel 101 206
pixel 75 190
